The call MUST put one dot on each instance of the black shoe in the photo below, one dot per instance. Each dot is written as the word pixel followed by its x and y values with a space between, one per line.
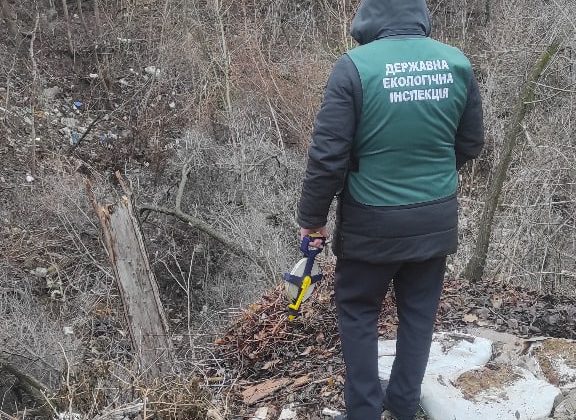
pixel 383 385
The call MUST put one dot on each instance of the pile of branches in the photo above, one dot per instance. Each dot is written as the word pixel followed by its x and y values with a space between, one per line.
pixel 275 362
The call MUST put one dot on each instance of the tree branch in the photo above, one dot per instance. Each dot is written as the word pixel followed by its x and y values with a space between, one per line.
pixel 88 130
pixel 208 230
pixel 200 224
pixel 33 387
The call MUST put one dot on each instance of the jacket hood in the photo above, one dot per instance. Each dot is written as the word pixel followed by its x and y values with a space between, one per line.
pixel 382 18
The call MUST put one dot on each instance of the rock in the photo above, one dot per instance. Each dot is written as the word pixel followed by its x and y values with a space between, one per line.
pixel 330 413
pixel 261 414
pixel 69 122
pixel 287 414
pixel 40 272
pixel 50 93
pixel 566 409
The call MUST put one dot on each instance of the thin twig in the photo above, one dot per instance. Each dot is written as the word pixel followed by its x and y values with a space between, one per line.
pixel 68 387
pixel 34 94
pixel 67 23
pixel 90 127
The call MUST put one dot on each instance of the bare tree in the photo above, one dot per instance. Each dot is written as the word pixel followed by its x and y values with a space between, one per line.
pixel 477 263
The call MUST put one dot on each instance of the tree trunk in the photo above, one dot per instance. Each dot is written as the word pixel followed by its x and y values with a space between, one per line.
pixel 137 285
pixel 475 267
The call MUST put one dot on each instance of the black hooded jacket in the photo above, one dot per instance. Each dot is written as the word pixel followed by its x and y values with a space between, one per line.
pixel 379 234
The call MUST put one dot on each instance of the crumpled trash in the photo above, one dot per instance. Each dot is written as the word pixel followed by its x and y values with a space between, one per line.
pixel 74 138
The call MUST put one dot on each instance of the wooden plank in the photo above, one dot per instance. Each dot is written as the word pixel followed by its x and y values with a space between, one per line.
pixel 253 394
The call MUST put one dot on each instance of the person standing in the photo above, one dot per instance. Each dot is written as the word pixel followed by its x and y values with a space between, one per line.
pixel 401 115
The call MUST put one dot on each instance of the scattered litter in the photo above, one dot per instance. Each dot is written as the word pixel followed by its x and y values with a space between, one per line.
pixel 93 76
pixel 74 138
pixel 69 122
pixel 68 331
pixel 107 138
pixel 153 71
pixel 29 178
pixel 172 105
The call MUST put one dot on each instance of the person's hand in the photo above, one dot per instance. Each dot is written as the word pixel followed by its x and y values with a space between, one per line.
pixel 318 243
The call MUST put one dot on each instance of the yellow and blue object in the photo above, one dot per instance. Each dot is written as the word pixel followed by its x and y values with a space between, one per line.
pixel 306 280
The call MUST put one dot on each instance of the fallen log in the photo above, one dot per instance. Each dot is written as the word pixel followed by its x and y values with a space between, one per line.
pixel 137 284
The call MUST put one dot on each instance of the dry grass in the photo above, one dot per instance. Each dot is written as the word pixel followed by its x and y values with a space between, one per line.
pixel 487 379
pixel 239 85
pixel 553 352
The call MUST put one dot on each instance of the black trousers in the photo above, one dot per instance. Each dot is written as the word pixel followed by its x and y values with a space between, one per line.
pixel 360 291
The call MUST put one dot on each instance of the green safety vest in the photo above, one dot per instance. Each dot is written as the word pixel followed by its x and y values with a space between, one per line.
pixel 414 93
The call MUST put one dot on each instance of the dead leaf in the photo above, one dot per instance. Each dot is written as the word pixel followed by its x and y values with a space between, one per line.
pixel 255 393
pixel 301 381
pixel 270 364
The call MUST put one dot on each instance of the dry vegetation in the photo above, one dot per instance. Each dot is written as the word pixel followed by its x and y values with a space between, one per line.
pixel 229 88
